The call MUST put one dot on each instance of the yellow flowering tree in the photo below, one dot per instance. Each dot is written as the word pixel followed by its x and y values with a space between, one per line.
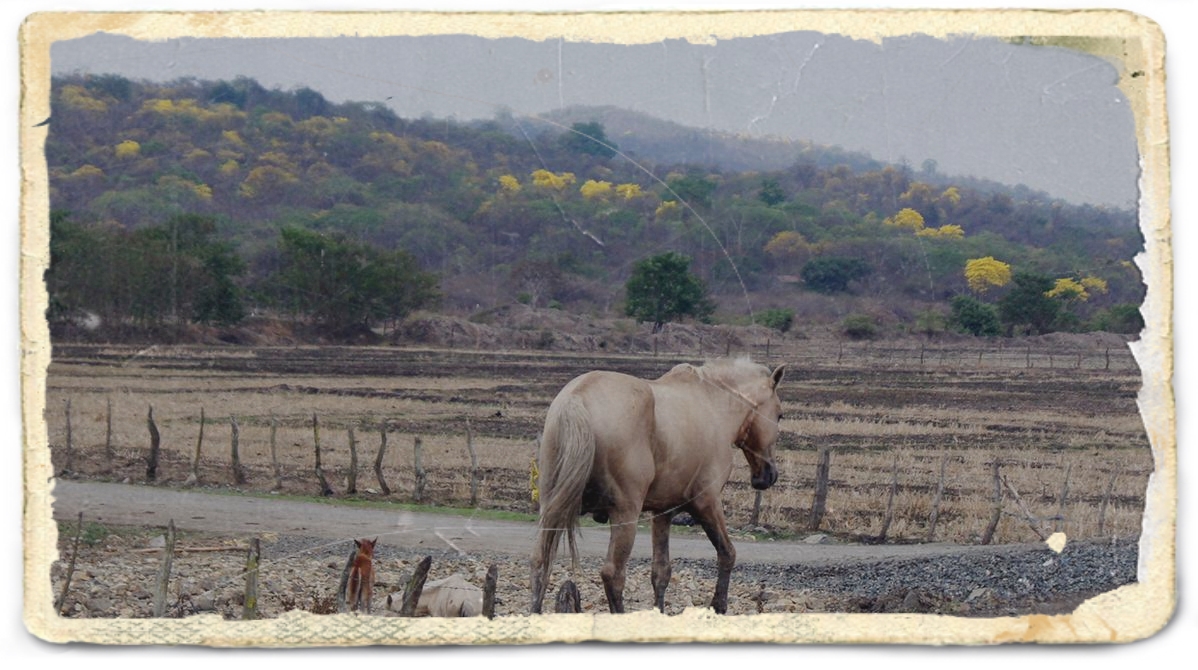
pixel 787 245
pixel 77 97
pixel 592 189
pixel 128 149
pixel 509 184
pixel 1069 290
pixel 985 273
pixel 628 191
pixel 666 209
pixel 547 179
pixel 1074 290
pixel 1095 284
pixel 947 232
pixel 951 195
pixel 906 219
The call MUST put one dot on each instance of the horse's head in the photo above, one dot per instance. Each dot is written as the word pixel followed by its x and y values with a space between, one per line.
pixel 759 431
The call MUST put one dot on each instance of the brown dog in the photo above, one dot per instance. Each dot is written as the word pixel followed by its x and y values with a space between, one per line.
pixel 361 576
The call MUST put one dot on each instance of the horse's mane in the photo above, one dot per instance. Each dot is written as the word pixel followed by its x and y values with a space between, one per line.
pixel 730 371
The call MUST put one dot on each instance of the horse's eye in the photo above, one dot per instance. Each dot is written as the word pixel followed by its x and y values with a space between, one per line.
pixel 779 418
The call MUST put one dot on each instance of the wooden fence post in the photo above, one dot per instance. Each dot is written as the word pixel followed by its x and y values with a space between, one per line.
pixel 108 452
pixel 351 481
pixel 234 454
pixel 378 460
pixel 473 465
pixel 1056 526
pixel 155 440
pixel 274 454
pixel 935 517
pixel 249 608
pixel 325 490
pixel 164 571
pixel 1106 498
pixel 68 461
pixel 889 516
pixel 489 585
pixel 411 593
pixel 418 488
pixel 988 534
pixel 1032 521
pixel 194 477
pixel 820 501
pixel 756 515
pixel 66 585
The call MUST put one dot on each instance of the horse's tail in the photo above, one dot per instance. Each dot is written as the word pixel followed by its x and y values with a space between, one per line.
pixel 565 459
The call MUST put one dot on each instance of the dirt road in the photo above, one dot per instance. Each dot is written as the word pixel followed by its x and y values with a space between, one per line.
pixel 197 510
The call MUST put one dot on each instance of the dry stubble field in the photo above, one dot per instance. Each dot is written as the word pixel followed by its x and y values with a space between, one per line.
pixel 908 407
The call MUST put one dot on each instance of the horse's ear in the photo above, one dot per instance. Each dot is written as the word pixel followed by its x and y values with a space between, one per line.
pixel 357 543
pixel 777 374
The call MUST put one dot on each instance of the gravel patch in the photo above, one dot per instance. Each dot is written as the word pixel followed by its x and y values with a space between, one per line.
pixel 115 575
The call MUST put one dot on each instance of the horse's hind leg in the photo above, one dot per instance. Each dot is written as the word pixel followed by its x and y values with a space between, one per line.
pixel 661 558
pixel 711 517
pixel 539 583
pixel 623 534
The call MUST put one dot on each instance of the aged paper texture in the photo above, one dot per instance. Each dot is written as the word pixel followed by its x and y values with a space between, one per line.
pixel 1131 43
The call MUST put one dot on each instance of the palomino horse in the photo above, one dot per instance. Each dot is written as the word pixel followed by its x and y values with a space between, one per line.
pixel 614 446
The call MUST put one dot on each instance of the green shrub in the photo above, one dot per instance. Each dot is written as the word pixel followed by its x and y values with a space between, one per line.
pixel 780 319
pixel 859 327
pixel 832 274
pixel 974 317
pixel 1122 318
pixel 930 322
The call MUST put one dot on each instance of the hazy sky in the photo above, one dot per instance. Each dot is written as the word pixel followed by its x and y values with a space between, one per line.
pixel 1047 117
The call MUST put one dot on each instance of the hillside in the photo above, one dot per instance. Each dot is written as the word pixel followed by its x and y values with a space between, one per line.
pixel 230 200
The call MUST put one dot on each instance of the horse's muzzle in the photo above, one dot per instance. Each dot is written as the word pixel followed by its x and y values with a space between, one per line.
pixel 766 478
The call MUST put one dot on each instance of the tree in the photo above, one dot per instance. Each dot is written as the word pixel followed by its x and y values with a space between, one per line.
pixel 346 285
pixel 832 274
pixel 537 278
pixel 771 192
pixel 975 317
pixel 906 219
pixel 691 189
pixel 590 139
pixel 662 289
pixel 592 189
pixel 984 273
pixel 1027 305
pixel 1121 318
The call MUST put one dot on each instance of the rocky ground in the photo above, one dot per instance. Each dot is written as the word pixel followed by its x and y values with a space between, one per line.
pixel 116 571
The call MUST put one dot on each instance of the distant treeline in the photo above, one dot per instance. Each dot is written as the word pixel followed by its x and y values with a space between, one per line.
pixel 206 201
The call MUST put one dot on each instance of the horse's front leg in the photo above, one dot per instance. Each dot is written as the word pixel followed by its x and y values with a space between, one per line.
pixel 711 517
pixel 623 534
pixel 661 558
